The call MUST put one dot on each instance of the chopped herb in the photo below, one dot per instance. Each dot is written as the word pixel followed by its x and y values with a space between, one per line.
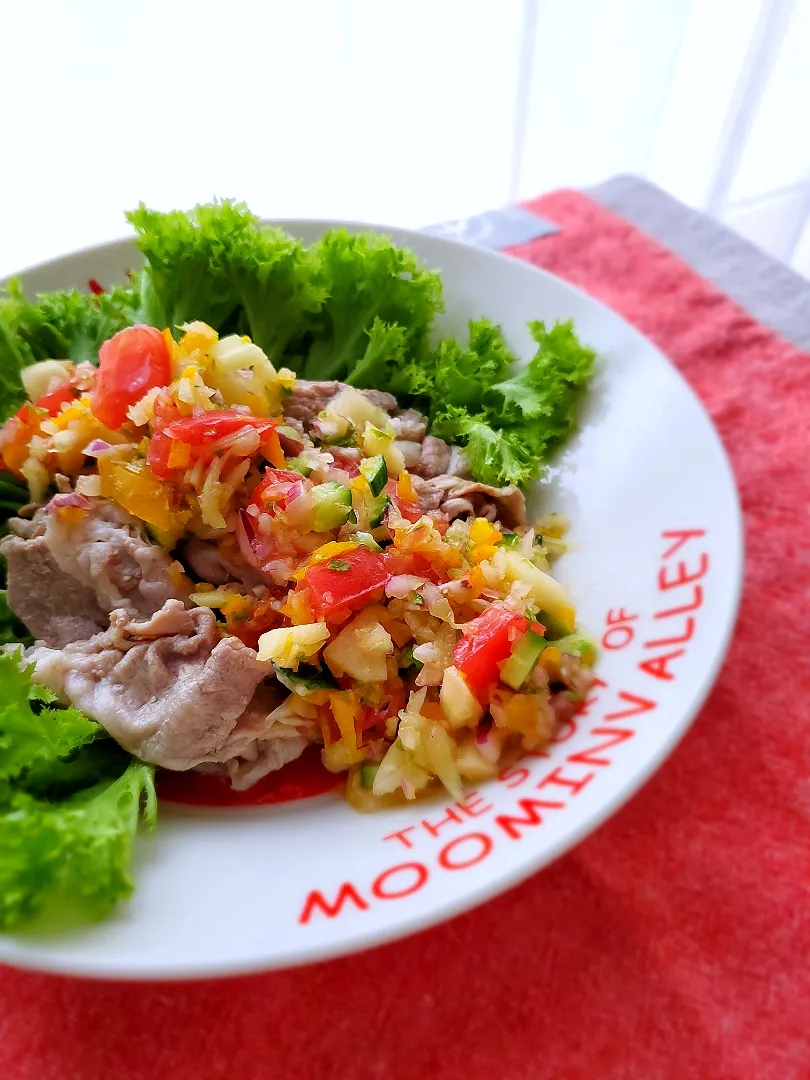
pixel 418 599
pixel 538 539
pixel 339 564
pixel 510 540
pixel 408 661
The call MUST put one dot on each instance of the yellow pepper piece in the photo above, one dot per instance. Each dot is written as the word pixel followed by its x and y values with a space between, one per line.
pixel 477 581
pixel 405 488
pixel 271 448
pixel 236 608
pixel 481 552
pixel 345 709
pixel 483 532
pixel 323 553
pixel 135 487
pixel 550 659
pixel 179 455
pixel 297 609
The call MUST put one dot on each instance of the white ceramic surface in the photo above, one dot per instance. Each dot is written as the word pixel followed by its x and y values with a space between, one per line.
pixel 656 576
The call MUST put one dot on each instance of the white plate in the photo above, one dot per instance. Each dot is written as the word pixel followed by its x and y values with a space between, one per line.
pixel 656 576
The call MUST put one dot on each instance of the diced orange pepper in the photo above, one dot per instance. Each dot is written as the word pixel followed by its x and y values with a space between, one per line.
pixel 329 731
pixel 550 659
pixel 297 608
pixel 481 552
pixel 477 581
pixel 271 448
pixel 179 455
pixel 346 711
pixel 237 607
pixel 483 532
pixel 405 489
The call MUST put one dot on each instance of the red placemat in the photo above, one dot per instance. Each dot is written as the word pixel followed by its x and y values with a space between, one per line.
pixel 674 942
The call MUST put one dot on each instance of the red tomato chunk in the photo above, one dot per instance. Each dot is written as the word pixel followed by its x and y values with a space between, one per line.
pixel 333 593
pixel 132 362
pixel 487 642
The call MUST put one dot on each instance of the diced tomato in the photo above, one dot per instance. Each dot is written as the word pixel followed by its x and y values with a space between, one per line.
pixel 17 431
pixel 334 591
pixel 132 362
pixel 53 402
pixel 95 288
pixel 272 489
pixel 300 779
pixel 414 562
pixel 197 431
pixel 487 641
pixel 205 428
pixel 411 511
pixel 342 461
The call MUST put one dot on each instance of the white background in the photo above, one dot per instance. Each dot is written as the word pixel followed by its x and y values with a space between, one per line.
pixel 402 113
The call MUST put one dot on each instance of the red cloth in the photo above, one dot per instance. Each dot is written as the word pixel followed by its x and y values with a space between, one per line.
pixel 674 942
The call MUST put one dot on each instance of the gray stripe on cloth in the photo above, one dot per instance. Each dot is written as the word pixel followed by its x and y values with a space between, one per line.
pixel 773 293
pixel 495 229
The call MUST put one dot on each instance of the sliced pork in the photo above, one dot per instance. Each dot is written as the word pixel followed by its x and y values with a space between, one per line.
pixel 79 558
pixel 102 546
pixel 457 497
pixel 54 606
pixel 434 458
pixel 172 691
pixel 210 563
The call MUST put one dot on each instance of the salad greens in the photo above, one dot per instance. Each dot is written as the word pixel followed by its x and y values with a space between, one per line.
pixel 70 803
pixel 350 307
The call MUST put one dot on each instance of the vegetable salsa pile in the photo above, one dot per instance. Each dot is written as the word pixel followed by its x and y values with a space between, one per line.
pixel 418 645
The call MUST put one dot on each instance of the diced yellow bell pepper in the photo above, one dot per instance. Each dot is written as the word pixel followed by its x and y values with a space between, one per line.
pixel 483 532
pixel 135 487
pixel 481 552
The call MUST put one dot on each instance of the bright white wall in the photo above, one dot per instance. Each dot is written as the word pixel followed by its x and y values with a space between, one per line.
pixel 406 113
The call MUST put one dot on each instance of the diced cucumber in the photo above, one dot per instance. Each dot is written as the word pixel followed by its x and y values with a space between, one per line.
pixel 366 540
pixel 307 680
pixel 298 464
pixel 577 645
pixel 368 770
pixel 376 511
pixel 524 656
pixel 375 471
pixel 333 503
pixel 510 540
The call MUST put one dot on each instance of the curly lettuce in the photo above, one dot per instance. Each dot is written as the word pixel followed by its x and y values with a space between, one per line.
pixel 70 804
pixel 62 325
pixel 353 307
